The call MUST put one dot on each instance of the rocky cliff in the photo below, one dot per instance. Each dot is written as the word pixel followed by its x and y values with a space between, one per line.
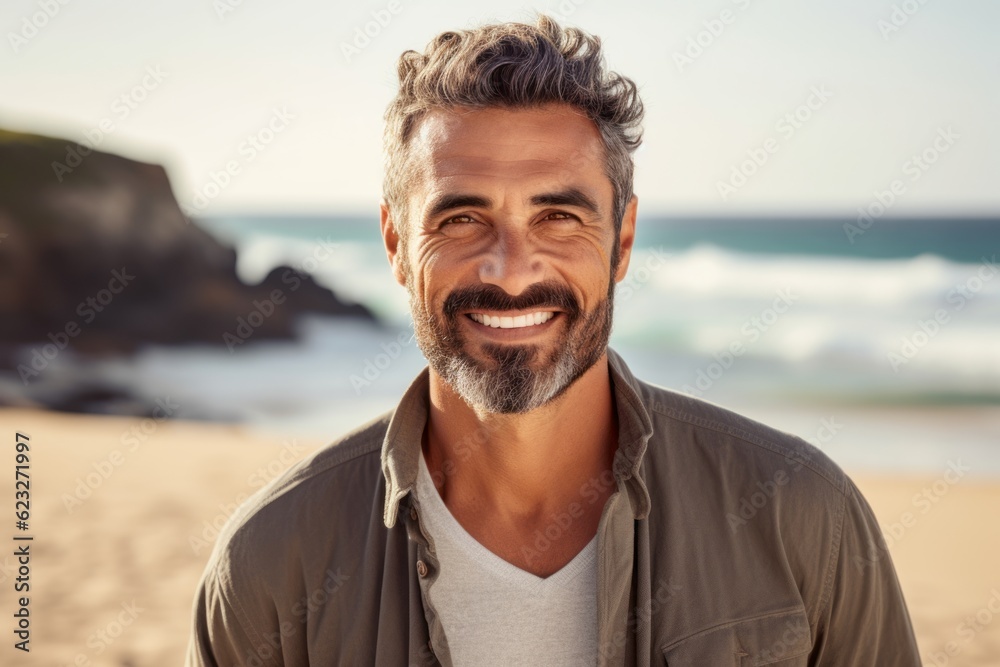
pixel 96 254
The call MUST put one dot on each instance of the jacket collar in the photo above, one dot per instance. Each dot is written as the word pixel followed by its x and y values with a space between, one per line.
pixel 401 446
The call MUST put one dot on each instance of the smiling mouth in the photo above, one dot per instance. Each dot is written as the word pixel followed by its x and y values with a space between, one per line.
pixel 512 322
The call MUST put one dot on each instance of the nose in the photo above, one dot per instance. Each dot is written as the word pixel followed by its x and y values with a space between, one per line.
pixel 511 264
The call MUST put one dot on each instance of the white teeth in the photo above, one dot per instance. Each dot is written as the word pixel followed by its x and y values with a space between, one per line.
pixel 518 322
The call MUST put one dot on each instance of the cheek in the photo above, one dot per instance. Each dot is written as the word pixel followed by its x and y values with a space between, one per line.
pixel 443 264
pixel 434 278
pixel 584 266
pixel 588 249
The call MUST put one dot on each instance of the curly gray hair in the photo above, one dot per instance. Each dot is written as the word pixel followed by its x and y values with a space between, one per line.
pixel 513 65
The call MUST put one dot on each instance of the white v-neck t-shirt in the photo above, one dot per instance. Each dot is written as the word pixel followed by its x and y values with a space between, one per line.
pixel 495 613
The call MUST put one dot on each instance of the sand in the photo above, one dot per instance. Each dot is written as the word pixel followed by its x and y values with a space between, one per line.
pixel 122 515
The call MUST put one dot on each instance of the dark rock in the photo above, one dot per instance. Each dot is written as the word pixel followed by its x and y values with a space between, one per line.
pixel 95 251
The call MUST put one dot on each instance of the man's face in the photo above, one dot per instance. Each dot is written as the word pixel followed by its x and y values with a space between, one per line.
pixel 508 251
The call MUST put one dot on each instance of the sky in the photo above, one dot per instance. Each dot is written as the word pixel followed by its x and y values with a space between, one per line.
pixel 752 106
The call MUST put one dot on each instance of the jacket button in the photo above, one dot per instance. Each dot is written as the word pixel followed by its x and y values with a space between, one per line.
pixel 413 513
pixel 421 568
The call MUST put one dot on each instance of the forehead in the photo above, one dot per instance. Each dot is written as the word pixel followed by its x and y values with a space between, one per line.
pixel 554 144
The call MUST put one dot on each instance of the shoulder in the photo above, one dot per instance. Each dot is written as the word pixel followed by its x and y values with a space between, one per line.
pixel 333 489
pixel 283 552
pixel 695 431
pixel 756 504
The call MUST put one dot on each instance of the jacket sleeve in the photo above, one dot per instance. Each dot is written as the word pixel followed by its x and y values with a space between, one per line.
pixel 223 635
pixel 864 620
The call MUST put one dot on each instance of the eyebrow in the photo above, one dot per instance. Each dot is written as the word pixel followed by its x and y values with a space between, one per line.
pixel 568 197
pixel 449 200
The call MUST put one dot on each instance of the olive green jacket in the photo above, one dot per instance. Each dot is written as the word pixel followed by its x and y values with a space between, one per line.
pixel 725 543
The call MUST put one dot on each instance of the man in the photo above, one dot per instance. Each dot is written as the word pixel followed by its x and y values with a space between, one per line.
pixel 530 501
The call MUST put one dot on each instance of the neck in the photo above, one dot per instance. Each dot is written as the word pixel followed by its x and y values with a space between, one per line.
pixel 522 466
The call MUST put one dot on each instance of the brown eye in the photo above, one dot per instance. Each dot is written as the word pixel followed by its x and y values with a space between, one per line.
pixel 560 216
pixel 460 226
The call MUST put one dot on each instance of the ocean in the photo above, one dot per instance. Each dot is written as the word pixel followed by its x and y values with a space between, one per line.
pixel 888 327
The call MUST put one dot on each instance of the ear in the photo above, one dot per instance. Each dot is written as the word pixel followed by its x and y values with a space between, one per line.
pixel 392 238
pixel 626 238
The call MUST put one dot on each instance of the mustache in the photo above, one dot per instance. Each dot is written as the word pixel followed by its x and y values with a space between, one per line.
pixel 538 296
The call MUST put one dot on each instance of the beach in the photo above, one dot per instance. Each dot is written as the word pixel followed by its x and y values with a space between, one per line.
pixel 124 512
pixel 195 223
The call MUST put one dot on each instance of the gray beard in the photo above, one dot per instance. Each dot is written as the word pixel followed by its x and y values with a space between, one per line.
pixel 507 383
pixel 512 387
